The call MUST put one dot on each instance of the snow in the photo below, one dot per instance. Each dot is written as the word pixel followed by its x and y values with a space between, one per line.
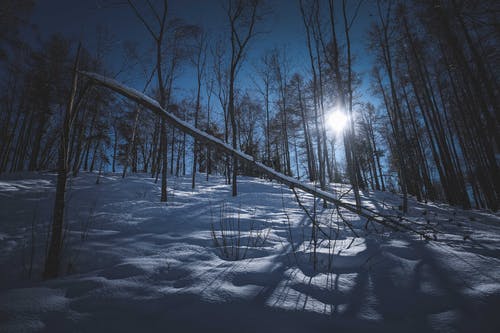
pixel 134 264
pixel 188 128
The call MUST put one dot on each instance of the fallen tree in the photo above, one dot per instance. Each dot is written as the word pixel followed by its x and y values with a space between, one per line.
pixel 201 136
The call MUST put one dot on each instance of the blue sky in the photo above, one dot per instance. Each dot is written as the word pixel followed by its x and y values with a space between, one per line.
pixel 283 28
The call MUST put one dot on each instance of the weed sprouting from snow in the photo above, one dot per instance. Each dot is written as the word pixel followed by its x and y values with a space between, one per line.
pixel 234 236
pixel 86 223
pixel 142 193
pixel 28 268
pixel 31 252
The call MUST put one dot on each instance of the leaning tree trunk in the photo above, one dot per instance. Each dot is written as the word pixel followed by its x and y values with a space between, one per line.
pixel 201 136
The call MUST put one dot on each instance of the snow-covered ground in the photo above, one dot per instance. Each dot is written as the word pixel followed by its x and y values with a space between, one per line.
pixel 208 262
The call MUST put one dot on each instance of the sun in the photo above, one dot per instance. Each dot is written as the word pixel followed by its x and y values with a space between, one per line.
pixel 336 121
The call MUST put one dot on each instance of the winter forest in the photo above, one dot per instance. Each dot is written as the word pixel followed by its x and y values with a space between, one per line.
pixel 249 166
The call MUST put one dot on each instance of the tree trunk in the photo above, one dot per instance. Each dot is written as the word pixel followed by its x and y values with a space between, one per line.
pixel 220 145
pixel 53 261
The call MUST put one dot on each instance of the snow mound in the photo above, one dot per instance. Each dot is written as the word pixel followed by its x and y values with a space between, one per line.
pixel 206 261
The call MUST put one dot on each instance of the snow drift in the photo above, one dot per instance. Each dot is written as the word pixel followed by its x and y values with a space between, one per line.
pixel 134 264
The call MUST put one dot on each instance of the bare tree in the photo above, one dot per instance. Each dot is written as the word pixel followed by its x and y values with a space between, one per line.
pixel 242 16
pixel 158 35
pixel 265 74
pixel 199 61
pixel 53 261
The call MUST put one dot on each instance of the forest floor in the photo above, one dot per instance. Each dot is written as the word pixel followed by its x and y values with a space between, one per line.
pixel 209 262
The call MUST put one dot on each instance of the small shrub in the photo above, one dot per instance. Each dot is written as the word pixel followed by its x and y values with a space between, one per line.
pixel 231 240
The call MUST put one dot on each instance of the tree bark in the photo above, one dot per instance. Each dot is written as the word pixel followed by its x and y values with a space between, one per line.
pixel 53 260
pixel 223 147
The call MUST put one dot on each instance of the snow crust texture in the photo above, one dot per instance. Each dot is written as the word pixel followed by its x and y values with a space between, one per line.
pixel 208 262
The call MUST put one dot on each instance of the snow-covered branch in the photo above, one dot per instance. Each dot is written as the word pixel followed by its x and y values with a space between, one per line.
pixel 202 136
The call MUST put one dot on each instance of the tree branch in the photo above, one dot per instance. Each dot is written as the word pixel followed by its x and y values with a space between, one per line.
pixel 222 146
